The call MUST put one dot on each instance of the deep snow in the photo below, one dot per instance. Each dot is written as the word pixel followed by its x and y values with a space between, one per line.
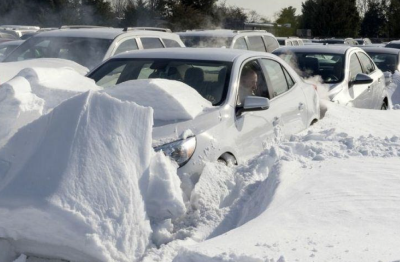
pixel 330 193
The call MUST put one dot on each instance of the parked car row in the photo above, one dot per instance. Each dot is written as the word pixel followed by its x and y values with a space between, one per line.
pixel 253 94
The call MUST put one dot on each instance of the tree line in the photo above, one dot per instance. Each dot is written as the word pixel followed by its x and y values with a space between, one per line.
pixel 326 18
pixel 175 14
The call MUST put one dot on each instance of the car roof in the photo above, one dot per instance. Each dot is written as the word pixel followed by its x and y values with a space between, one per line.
pixel 222 33
pixel 331 49
pixel 100 33
pixel 206 54
pixel 381 50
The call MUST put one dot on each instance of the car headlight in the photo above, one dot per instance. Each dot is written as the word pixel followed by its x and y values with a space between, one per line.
pixel 180 151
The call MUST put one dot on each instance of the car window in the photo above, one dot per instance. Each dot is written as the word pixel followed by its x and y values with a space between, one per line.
pixel 355 67
pixel 256 43
pixel 295 43
pixel 88 52
pixel 126 46
pixel 367 63
pixel 209 78
pixel 385 62
pixel 252 82
pixel 275 76
pixel 170 43
pixel 151 42
pixel 271 43
pixel 240 44
pixel 289 78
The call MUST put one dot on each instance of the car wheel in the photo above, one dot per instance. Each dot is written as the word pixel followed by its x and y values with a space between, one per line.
pixel 384 106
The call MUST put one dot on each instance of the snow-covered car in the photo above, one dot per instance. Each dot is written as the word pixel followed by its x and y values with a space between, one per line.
pixel 351 75
pixel 8 47
pixel 90 46
pixel 236 127
pixel 254 40
pixel 393 44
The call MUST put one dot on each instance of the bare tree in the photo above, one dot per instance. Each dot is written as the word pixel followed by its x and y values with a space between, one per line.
pixel 119 7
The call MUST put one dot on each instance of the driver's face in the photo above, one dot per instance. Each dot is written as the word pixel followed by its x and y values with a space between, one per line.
pixel 250 80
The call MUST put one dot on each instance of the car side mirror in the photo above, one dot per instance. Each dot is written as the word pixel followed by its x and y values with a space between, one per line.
pixel 253 103
pixel 361 79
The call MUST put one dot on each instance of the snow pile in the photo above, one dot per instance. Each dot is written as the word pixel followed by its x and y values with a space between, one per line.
pixel 36 91
pixel 183 102
pixel 328 194
pixel 10 69
pixel 393 88
pixel 86 176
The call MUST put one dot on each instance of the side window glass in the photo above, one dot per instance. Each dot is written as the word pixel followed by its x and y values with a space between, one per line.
pixel 252 82
pixel 367 63
pixel 151 42
pixel 126 46
pixel 355 67
pixel 256 43
pixel 295 43
pixel 289 79
pixel 271 43
pixel 275 77
pixel 170 43
pixel 240 44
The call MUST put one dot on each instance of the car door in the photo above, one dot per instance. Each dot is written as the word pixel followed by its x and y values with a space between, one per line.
pixel 288 101
pixel 254 128
pixel 359 94
pixel 375 89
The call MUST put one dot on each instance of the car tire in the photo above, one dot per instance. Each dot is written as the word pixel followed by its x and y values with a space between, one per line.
pixel 384 106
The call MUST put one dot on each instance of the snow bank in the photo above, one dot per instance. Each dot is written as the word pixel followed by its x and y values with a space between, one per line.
pixel 394 89
pixel 183 102
pixel 36 91
pixel 329 194
pixel 10 69
pixel 75 174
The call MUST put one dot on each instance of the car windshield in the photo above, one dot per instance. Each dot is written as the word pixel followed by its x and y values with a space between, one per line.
pixel 385 62
pixel 393 45
pixel 88 52
pixel 206 41
pixel 329 66
pixel 209 78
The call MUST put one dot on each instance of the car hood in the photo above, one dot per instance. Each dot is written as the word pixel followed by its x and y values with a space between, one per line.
pixel 169 131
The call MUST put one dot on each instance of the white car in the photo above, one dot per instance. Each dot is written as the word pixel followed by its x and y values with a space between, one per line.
pixel 90 46
pixel 351 75
pixel 233 130
pixel 254 40
pixel 290 41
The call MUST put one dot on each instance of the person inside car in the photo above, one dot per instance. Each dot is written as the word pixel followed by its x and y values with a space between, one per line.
pixel 248 84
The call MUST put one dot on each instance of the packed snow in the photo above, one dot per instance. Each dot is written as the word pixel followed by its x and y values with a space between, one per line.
pixel 85 174
pixel 182 101
pixel 36 91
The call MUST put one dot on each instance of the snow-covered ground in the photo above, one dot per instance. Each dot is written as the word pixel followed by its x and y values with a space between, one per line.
pixel 74 187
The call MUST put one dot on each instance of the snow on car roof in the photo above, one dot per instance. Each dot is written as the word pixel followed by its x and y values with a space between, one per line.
pixel 102 33
pixel 342 49
pixel 211 54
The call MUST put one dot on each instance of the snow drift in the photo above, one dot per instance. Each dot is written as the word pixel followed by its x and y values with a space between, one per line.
pixel 182 101
pixel 34 92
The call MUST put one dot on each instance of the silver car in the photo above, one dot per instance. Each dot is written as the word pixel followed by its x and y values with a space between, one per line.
pixel 237 127
pixel 351 75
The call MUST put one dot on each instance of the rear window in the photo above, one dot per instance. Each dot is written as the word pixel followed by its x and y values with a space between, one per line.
pixel 151 43
pixel 170 43
pixel 256 43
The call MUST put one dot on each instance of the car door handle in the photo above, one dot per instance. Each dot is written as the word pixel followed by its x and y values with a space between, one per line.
pixel 301 107
pixel 369 88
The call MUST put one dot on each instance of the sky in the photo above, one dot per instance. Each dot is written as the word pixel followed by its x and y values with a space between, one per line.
pixel 266 7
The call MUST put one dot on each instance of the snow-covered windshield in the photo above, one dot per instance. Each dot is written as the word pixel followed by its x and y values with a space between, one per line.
pixel 206 41
pixel 329 66
pixel 209 78
pixel 88 52
pixel 385 62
